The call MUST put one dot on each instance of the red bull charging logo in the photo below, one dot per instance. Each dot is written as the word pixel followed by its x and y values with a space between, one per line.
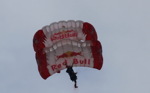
pixel 69 54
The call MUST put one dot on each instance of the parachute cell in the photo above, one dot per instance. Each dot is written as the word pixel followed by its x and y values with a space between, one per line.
pixel 67 43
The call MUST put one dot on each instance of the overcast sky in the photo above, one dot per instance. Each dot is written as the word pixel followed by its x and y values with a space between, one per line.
pixel 123 27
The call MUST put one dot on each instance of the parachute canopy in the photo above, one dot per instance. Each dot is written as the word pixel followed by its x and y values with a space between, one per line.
pixel 62 43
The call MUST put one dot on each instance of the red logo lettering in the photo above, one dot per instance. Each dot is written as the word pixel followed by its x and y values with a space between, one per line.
pixel 63 35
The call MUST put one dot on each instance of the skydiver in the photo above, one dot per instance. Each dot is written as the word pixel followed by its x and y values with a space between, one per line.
pixel 72 75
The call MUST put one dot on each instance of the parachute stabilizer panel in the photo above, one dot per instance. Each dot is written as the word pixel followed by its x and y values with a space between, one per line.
pixel 66 43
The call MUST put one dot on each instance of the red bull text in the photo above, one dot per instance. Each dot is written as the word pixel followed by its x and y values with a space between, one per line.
pixel 64 35
pixel 75 62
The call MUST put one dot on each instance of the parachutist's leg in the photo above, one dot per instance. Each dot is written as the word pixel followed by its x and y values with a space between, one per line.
pixel 75 84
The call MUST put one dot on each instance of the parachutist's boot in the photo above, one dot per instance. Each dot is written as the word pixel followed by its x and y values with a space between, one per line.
pixel 75 85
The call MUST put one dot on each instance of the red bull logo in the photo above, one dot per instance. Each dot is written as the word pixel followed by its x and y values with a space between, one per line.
pixel 63 32
pixel 69 54
pixel 64 35
pixel 75 62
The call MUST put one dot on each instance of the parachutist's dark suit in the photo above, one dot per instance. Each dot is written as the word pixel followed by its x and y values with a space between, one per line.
pixel 72 75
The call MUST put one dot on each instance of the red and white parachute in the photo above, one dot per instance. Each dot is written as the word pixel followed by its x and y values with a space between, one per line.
pixel 66 42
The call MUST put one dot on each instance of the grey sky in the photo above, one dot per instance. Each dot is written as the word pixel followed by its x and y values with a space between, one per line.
pixel 123 29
